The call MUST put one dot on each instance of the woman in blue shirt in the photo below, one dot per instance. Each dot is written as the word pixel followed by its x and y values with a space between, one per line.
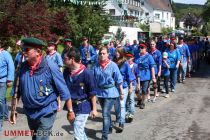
pixel 128 77
pixel 175 57
pixel 108 79
pixel 146 65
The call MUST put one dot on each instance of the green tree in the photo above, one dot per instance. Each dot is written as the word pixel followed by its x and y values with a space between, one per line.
pixel 144 27
pixel 166 31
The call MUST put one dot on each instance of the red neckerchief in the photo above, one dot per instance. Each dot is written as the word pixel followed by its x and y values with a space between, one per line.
pixel 141 54
pixel 152 51
pixel 131 62
pixel 51 54
pixel 78 71
pixel 104 63
pixel 35 66
pixel 1 50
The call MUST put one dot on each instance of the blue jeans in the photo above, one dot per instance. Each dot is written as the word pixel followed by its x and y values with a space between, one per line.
pixel 130 104
pixel 79 126
pixel 42 125
pixel 183 70
pixel 173 78
pixel 120 107
pixel 3 102
pixel 106 105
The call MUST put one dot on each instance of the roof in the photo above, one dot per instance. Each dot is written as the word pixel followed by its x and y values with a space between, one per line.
pixel 161 5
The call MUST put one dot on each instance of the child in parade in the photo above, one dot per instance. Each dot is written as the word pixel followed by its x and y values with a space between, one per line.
pixel 128 77
pixel 130 103
pixel 165 73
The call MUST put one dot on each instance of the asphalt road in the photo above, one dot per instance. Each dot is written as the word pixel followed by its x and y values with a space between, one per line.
pixel 183 116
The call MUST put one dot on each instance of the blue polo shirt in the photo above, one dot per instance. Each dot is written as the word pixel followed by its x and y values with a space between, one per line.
pixel 81 87
pixel 39 92
pixel 7 68
pixel 145 63
pixel 157 56
pixel 107 80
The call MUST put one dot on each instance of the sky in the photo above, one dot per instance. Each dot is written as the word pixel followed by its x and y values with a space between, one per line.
pixel 202 2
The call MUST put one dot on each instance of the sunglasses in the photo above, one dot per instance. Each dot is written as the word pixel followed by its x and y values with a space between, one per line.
pixel 26 49
pixel 142 47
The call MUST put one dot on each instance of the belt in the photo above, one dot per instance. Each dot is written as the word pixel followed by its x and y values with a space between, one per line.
pixel 107 86
pixel 77 102
pixel 3 76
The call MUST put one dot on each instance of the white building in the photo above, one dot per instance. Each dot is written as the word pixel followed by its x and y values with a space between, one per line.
pixel 159 12
pixel 132 12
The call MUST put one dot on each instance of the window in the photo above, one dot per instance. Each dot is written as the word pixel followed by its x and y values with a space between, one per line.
pixel 147 14
pixel 157 16
pixel 112 12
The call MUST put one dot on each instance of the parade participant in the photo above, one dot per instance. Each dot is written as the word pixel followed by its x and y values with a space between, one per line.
pixel 81 84
pixel 117 44
pixel 6 77
pixel 160 44
pixel 88 53
pixel 108 79
pixel 127 45
pixel 174 57
pixel 157 56
pixel 128 77
pixel 165 73
pixel 185 58
pixel 38 83
pixel 112 50
pixel 146 69
pixel 135 49
pixel 130 103
pixel 53 55
pixel 67 42
pixel 18 56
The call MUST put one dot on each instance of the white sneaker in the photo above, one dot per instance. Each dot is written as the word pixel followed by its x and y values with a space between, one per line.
pixel 173 90
pixel 163 91
pixel 167 96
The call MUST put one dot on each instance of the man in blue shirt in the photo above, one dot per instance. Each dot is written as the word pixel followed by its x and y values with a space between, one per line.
pixel 88 53
pixel 185 58
pixel 81 84
pixel 39 82
pixel 6 77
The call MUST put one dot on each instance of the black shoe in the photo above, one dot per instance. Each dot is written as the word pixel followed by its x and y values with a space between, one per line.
pixel 138 103
pixel 142 105
pixel 120 128
pixel 110 130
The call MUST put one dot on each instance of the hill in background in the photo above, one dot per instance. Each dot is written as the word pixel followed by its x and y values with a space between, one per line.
pixel 181 10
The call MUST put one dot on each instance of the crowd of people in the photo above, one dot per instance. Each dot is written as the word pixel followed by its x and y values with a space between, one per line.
pixel 110 74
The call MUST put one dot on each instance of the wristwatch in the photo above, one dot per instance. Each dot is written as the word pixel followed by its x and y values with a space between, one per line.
pixel 70 111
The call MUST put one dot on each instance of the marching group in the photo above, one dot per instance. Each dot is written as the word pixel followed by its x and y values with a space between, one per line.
pixel 109 74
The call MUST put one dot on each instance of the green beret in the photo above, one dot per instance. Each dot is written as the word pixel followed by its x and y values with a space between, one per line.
pixel 67 40
pixel 106 42
pixel 33 43
pixel 51 42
